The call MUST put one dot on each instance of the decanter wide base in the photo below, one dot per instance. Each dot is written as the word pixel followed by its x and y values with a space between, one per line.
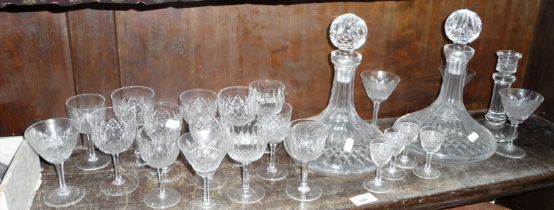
pixel 336 162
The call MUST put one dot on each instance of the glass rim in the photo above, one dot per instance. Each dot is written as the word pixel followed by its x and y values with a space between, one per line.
pixel 233 88
pixel 73 98
pixel 200 90
pixel 366 73
pixel 76 123
pixel 526 91
pixel 278 83
pixel 148 89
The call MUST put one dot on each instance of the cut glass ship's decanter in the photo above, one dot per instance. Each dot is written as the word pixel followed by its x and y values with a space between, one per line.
pixel 466 140
pixel 347 146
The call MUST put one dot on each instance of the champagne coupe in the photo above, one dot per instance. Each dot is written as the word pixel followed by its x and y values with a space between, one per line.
pixel 54 140
pixel 380 152
pixel 159 150
pixel 398 141
pixel 138 98
pixel 518 104
pixel 113 132
pixel 410 129
pixel 275 128
pixel 270 95
pixel 431 140
pixel 378 85
pixel 306 143
pixel 79 108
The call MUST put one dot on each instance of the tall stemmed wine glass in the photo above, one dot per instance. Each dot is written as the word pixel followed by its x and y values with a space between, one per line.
pixel 113 132
pixel 54 140
pixel 138 98
pixel 518 104
pixel 378 85
pixel 398 143
pixel 410 129
pixel 380 151
pixel 306 143
pixel 431 141
pixel 79 108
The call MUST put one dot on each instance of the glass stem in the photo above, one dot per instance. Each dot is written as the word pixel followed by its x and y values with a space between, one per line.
pixel 391 165
pixel 245 177
pixel 135 143
pixel 375 112
pixel 206 201
pixel 61 177
pixel 91 151
pixel 160 180
pixel 428 160
pixel 378 174
pixel 510 143
pixel 304 178
pixel 271 168
pixel 118 178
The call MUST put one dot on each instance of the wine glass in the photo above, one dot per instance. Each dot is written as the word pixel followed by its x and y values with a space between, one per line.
pixel 431 140
pixel 378 85
pixel 54 140
pixel 236 106
pixel 275 128
pixel 138 98
pixel 306 143
pixel 410 129
pixel 398 143
pixel 79 108
pixel 518 104
pixel 113 130
pixel 380 150
pixel 270 95
pixel 159 149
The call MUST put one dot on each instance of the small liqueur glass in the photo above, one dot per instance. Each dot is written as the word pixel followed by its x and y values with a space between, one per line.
pixel 113 132
pixel 306 143
pixel 79 108
pixel 54 140
pixel 275 128
pixel 410 129
pixel 378 85
pixel 398 142
pixel 381 152
pixel 518 104
pixel 431 140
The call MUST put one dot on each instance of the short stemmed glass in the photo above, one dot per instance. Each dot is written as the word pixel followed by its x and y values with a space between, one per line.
pixel 431 140
pixel 378 85
pixel 138 98
pixel 518 104
pixel 380 151
pixel 113 132
pixel 398 143
pixel 236 106
pixel 306 143
pixel 54 140
pixel 79 108
pixel 410 129
pixel 275 128
pixel 159 150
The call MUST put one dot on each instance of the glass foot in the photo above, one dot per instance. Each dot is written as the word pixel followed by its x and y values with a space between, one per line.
pixel 394 174
pixel 217 182
pixel 62 198
pixel 430 173
pixel 199 204
pixel 86 164
pixel 377 186
pixel 297 193
pixel 405 162
pixel 157 200
pixel 279 173
pixel 112 187
pixel 510 151
pixel 253 194
pixel 501 132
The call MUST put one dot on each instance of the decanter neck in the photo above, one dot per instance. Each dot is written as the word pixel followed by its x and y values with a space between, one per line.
pixel 345 63
pixel 452 89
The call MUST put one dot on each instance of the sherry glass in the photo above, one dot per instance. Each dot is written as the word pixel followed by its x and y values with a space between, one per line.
pixel 378 85
pixel 306 143
pixel 79 108
pixel 398 143
pixel 236 106
pixel 113 132
pixel 275 128
pixel 138 98
pixel 380 152
pixel 518 104
pixel 431 140
pixel 410 129
pixel 270 95
pixel 159 150
pixel 54 140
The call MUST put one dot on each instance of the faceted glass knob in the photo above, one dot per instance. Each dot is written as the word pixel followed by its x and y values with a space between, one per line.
pixel 348 32
pixel 463 26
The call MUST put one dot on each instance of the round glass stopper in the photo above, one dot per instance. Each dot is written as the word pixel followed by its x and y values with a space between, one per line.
pixel 348 32
pixel 463 26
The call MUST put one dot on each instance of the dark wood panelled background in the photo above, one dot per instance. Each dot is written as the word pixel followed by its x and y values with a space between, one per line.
pixel 45 57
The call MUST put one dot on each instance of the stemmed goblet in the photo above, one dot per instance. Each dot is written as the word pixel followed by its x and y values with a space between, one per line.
pixel 431 140
pixel 518 104
pixel 398 143
pixel 54 140
pixel 236 107
pixel 410 129
pixel 378 85
pixel 113 132
pixel 270 96
pixel 380 152
pixel 79 108
pixel 306 143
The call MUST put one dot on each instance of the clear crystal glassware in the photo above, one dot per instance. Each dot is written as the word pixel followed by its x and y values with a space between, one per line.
pixel 398 142
pixel 378 85
pixel 138 98
pixel 113 130
pixel 381 152
pixel 275 129
pixel 431 140
pixel 468 77
pixel 197 104
pixel 54 140
pixel 236 106
pixel 270 95
pixel 410 129
pixel 518 104
pixel 159 150
pixel 466 141
pixel 79 108
pixel 347 146
pixel 306 143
